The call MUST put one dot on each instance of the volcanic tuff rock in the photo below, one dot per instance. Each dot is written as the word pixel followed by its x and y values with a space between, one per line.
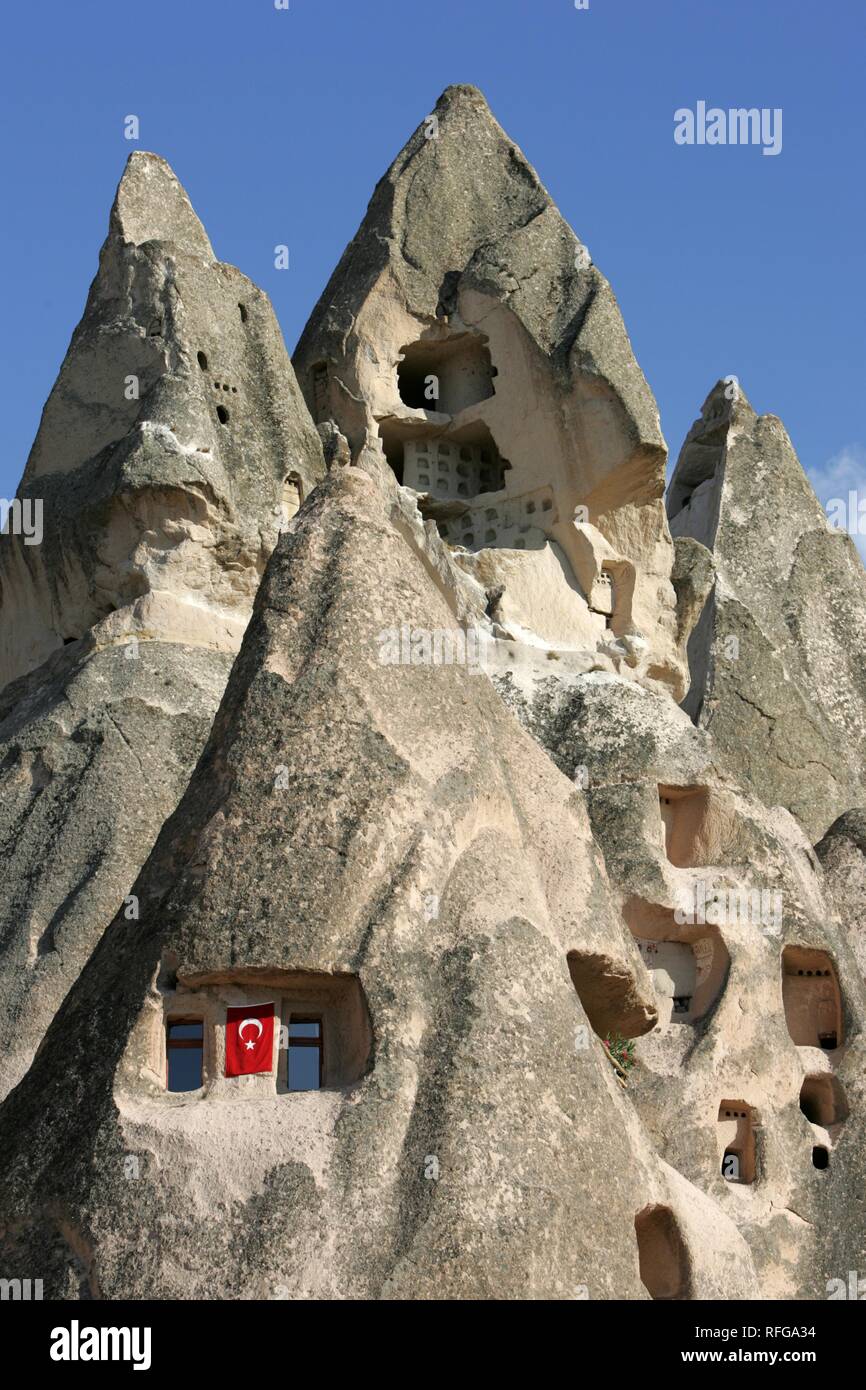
pixel 118 631
pixel 466 328
pixel 842 852
pixel 778 659
pixel 676 831
pixel 477 1051
pixel 450 808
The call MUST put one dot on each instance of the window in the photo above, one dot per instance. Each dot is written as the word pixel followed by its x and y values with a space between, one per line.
pixel 305 1054
pixel 822 1100
pixel 184 1054
pixel 737 1132
pixel 811 998
pixel 664 1262
pixel 293 496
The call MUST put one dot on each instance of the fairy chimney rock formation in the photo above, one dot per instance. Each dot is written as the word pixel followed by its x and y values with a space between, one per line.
pixel 467 330
pixel 453 856
pixel 778 658
pixel 161 466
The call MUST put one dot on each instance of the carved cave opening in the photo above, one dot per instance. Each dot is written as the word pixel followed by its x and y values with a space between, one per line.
pixel 445 374
pixel 293 496
pixel 736 1125
pixel 811 998
pixel 663 1258
pixel 688 963
pixel 606 990
pixel 322 1033
pixel 822 1100
pixel 686 822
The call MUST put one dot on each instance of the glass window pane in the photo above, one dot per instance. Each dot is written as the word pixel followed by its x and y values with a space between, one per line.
pixel 303 1069
pixel 184 1030
pixel 185 1056
pixel 307 1029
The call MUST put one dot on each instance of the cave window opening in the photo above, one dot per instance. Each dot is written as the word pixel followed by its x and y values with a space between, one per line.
pixel 462 475
pixel 184 1054
pixel 822 1100
pixel 820 1156
pixel 446 375
pixel 201 358
pixel 293 496
pixel 306 1054
pixel 811 998
pixel 243 312
pixel 601 595
pixel 673 970
pixel 737 1130
pixel 663 1260
pixel 605 994
pixel 222 415
pixel 685 820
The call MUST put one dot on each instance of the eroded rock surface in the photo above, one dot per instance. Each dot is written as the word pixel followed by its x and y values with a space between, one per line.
pixel 330 834
pixel 172 448
pixel 842 852
pixel 450 821
pixel 467 329
pixel 778 659
pixel 758 1054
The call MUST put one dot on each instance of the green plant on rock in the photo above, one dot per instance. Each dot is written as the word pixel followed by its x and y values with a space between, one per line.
pixel 621 1050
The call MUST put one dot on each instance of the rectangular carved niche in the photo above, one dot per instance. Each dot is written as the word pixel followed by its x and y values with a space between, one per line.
pixel 811 998
pixel 688 963
pixel 737 1138
pixel 688 826
pixel 323 1013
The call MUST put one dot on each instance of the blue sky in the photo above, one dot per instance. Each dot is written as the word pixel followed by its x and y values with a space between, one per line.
pixel 279 123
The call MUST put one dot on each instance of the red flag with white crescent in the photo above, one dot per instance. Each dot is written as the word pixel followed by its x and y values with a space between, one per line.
pixel 249 1039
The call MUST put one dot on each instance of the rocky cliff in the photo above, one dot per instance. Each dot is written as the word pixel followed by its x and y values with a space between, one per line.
pixel 173 441
pixel 585 1019
pixel 778 659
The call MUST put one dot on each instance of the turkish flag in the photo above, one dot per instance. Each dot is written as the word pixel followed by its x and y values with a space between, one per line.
pixel 249 1039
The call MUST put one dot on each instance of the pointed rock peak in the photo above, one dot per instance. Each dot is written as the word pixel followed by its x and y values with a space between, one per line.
pixel 458 183
pixel 467 329
pixel 152 205
pixel 176 413
pixel 777 660
pixel 726 402
pixel 692 503
pixel 463 94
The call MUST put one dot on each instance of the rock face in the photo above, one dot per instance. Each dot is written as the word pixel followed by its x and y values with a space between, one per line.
pixel 842 852
pixel 452 828
pixel 443 901
pixel 758 1055
pixel 467 330
pixel 173 440
pixel 778 659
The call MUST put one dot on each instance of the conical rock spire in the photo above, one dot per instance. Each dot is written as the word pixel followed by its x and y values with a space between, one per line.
pixel 778 659
pixel 172 448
